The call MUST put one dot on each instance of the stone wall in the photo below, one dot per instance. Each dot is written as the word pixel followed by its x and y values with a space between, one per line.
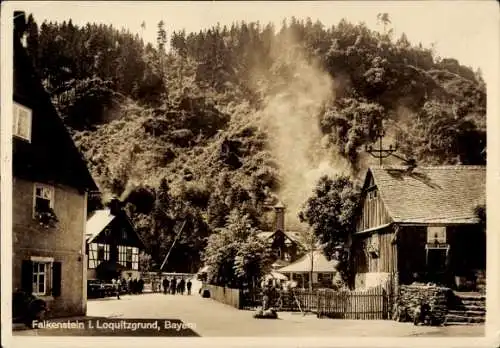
pixel 411 296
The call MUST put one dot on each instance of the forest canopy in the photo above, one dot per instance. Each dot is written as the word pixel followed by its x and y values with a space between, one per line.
pixel 231 117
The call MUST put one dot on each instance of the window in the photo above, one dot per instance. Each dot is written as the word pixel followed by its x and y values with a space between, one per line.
pixel 129 258
pixel 436 235
pixel 40 278
pixel 100 253
pixel 21 122
pixel 97 254
pixel 44 199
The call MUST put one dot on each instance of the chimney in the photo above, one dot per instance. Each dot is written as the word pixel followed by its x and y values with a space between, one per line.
pixel 115 206
pixel 279 223
pixel 19 23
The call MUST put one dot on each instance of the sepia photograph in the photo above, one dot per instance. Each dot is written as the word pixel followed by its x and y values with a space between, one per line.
pixel 246 170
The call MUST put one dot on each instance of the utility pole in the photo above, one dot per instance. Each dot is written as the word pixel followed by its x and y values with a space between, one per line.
pixel 380 153
pixel 171 247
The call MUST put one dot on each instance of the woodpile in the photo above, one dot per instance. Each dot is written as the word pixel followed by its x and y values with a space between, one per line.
pixel 412 296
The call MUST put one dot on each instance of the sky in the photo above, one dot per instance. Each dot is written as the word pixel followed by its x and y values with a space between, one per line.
pixel 464 30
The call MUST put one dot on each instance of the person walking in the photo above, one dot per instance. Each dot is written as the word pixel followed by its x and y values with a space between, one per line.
pixel 165 285
pixel 189 284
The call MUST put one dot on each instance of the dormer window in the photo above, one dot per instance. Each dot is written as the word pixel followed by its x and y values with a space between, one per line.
pixel 21 125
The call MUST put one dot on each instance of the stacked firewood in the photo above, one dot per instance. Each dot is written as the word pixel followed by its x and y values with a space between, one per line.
pixel 412 296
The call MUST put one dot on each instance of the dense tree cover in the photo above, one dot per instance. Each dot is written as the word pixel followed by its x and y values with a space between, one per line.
pixel 236 255
pixel 331 211
pixel 176 129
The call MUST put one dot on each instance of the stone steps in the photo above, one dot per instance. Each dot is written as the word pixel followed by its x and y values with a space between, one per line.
pixel 481 309
pixel 452 319
pixel 471 309
pixel 466 313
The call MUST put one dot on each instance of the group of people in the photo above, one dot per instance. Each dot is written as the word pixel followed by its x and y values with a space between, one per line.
pixel 132 286
pixel 174 286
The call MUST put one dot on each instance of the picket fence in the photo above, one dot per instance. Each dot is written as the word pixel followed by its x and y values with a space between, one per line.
pixel 373 303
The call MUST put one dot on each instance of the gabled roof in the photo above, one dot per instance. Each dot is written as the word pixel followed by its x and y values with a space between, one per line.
pixel 51 156
pixel 294 236
pixel 101 219
pixel 320 264
pixel 440 194
pixel 97 223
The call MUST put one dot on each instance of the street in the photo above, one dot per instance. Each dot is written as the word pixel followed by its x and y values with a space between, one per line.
pixel 207 317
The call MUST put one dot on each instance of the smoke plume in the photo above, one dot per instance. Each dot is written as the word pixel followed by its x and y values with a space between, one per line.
pixel 294 95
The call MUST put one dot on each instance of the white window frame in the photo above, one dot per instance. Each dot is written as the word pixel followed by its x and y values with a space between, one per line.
pixel 47 275
pixel 17 109
pixel 135 258
pixel 431 233
pixel 51 190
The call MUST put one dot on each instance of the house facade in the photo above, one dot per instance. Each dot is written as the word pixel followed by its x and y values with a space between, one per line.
pixel 419 224
pixel 287 246
pixel 49 198
pixel 112 245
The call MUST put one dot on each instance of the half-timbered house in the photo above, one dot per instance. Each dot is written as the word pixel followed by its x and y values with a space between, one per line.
pixel 113 245
pixel 50 185
pixel 287 246
pixel 420 224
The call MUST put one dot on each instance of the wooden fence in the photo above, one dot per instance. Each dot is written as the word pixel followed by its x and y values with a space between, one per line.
pixel 224 295
pixel 373 303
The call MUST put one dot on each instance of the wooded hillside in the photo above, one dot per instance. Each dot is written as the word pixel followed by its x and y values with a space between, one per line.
pixel 230 117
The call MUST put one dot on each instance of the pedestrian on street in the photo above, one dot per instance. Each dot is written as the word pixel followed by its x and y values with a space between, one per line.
pixel 173 286
pixel 141 285
pixel 165 285
pixel 123 285
pixel 116 287
pixel 189 284
pixel 182 286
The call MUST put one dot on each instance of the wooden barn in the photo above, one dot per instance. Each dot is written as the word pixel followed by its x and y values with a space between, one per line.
pixel 421 224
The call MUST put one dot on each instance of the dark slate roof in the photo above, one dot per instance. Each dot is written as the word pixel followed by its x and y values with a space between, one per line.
pixel 440 194
pixel 51 156
pixel 294 236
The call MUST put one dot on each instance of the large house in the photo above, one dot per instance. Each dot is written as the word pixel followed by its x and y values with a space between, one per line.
pixel 421 224
pixel 50 187
pixel 113 245
pixel 287 246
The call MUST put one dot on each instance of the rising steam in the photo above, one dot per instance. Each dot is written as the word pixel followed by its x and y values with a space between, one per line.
pixel 294 96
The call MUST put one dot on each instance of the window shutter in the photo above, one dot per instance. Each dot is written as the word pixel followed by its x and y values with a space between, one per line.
pixel 27 276
pixel 56 279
